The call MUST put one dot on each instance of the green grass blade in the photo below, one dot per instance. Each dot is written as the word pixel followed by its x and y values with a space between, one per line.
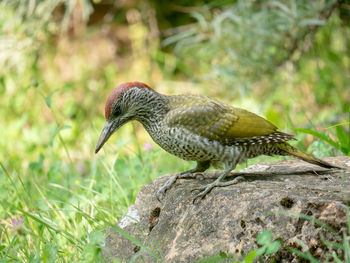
pixel 320 136
pixel 343 139
pixel 51 226
pixel 349 132
pixel 134 240
pixel 306 255
pixel 346 245
pixel 8 175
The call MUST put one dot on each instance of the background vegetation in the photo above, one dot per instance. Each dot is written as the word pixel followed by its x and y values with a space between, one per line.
pixel 287 60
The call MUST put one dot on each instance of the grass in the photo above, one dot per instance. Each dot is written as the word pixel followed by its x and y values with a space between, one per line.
pixel 62 213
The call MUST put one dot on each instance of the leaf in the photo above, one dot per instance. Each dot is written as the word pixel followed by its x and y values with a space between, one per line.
pixel 261 251
pixel 264 238
pixel 48 98
pixel 48 101
pixel 250 257
pixel 272 248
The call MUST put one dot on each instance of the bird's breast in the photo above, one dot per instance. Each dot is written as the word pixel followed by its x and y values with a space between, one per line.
pixel 188 146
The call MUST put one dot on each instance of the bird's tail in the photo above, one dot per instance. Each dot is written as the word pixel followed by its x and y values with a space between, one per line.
pixel 290 150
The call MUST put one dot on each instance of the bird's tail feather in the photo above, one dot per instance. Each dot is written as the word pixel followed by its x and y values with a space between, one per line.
pixel 290 150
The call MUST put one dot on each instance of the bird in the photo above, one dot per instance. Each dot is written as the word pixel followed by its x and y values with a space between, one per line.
pixel 198 128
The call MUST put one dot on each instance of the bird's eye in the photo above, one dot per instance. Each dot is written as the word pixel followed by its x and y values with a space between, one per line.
pixel 116 111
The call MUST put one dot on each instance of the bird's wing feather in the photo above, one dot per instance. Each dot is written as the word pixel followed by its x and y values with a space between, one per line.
pixel 216 121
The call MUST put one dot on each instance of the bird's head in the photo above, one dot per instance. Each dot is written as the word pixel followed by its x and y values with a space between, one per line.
pixel 120 108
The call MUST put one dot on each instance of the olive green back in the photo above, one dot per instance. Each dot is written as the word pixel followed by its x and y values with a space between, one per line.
pixel 215 120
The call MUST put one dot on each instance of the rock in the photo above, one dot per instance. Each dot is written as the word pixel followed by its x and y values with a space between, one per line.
pixel 228 219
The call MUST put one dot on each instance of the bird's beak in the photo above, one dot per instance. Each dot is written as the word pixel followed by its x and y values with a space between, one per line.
pixel 105 134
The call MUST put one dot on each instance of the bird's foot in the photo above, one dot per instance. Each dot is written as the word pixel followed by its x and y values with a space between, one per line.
pixel 217 183
pixel 161 192
pixel 183 175
pixel 195 175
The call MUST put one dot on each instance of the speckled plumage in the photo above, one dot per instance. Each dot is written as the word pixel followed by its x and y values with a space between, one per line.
pixel 197 128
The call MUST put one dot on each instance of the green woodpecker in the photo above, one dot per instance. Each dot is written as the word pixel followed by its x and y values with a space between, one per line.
pixel 197 128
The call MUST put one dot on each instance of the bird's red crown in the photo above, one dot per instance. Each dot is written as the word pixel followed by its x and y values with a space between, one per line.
pixel 118 90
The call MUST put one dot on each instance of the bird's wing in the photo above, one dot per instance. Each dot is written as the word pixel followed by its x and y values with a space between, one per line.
pixel 216 121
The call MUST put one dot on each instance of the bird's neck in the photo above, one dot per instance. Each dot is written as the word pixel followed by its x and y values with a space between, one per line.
pixel 151 108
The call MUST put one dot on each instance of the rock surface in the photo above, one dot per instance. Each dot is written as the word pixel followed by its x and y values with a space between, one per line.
pixel 228 219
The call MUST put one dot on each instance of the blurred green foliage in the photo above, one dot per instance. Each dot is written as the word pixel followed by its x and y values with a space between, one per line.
pixel 59 60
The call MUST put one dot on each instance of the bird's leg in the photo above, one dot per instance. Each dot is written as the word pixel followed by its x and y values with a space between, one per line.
pixel 217 183
pixel 192 173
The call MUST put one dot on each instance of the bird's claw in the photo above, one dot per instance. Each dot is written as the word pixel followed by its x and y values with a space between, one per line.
pixel 196 189
pixel 204 190
pixel 161 192
pixel 207 188
pixel 197 175
pixel 183 175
